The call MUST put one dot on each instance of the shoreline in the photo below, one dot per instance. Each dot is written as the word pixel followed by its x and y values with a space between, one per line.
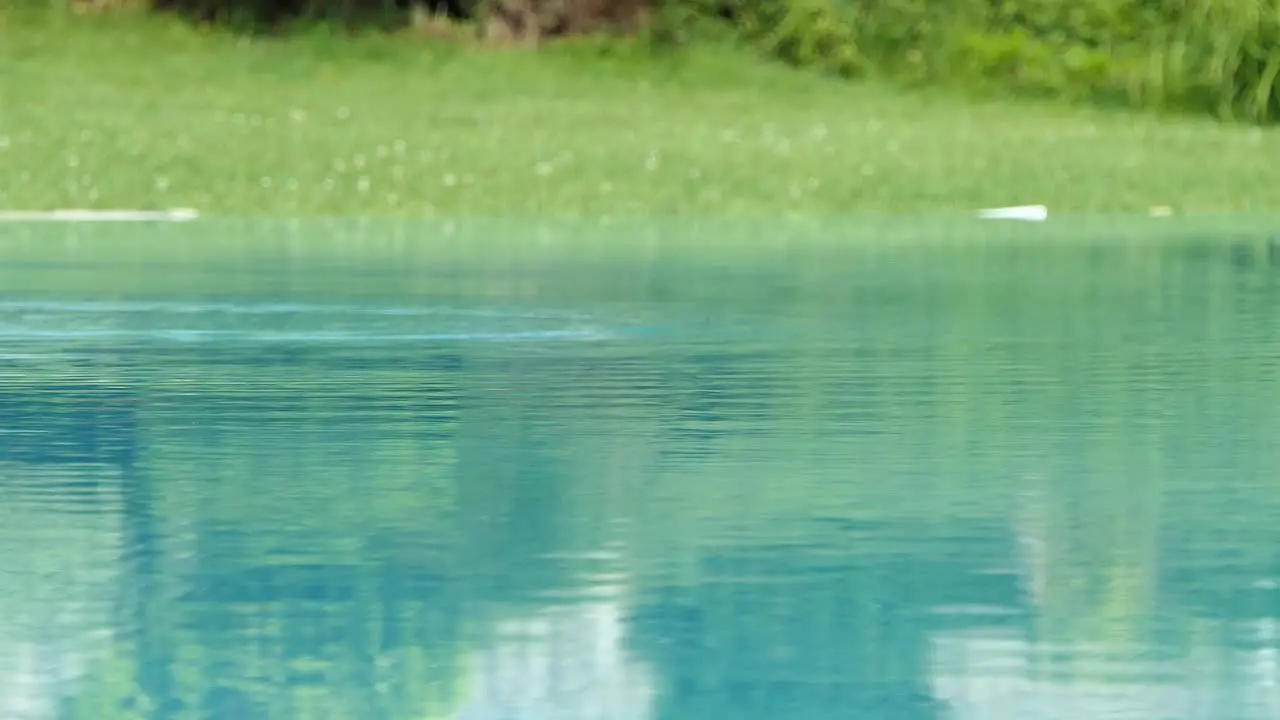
pixel 531 235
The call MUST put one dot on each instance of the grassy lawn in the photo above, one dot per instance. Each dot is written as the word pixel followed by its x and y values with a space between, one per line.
pixel 127 111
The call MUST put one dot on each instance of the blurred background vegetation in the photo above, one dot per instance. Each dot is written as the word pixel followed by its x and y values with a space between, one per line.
pixel 1213 56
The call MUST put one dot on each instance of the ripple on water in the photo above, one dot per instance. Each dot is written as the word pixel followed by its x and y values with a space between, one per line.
pixel 203 322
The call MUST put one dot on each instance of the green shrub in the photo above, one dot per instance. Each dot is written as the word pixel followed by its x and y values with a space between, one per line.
pixel 1220 56
pixel 810 33
pixel 275 14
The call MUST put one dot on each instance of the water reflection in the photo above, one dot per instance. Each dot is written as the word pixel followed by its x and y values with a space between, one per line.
pixel 970 482
pixel 64 459
pixel 564 661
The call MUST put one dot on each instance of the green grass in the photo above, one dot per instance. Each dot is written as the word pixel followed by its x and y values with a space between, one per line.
pixel 128 111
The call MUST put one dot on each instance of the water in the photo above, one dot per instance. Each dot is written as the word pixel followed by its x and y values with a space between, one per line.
pixel 281 473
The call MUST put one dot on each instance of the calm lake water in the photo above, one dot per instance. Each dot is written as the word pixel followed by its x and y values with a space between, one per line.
pixel 360 471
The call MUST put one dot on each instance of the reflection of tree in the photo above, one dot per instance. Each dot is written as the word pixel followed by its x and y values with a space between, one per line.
pixel 776 632
pixel 66 453
pixel 151 618
pixel 546 446
pixel 513 500
pixel 287 555
pixel 374 638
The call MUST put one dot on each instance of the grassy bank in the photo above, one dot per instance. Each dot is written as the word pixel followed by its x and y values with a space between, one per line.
pixel 129 111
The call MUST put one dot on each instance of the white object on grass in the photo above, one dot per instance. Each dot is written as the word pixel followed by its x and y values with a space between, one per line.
pixel 77 215
pixel 1026 213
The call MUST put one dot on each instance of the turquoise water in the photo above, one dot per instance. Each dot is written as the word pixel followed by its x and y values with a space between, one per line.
pixel 359 472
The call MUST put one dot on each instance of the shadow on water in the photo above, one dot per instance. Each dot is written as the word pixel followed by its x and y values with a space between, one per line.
pixel 980 482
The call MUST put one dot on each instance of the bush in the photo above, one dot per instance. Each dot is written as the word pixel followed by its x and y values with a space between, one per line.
pixel 501 21
pixel 265 15
pixel 1221 56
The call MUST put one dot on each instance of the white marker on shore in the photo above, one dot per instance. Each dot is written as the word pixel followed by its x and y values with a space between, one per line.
pixel 1025 213
pixel 78 215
